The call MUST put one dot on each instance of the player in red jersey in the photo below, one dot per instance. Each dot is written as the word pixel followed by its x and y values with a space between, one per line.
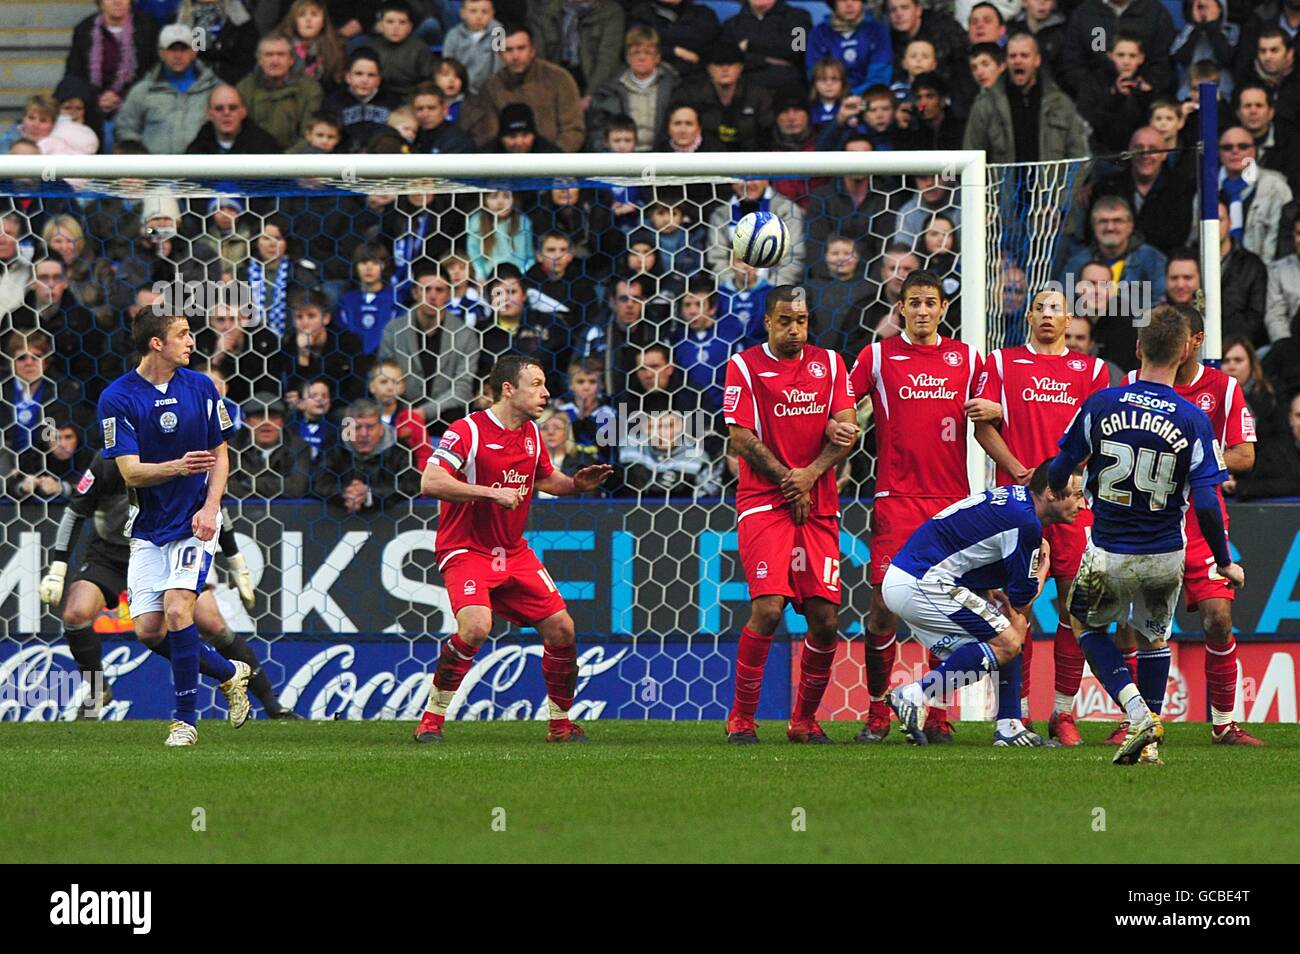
pixel 780 398
pixel 919 382
pixel 1025 400
pixel 484 471
pixel 1205 590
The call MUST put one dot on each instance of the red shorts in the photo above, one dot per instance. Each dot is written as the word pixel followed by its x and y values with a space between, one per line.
pixel 514 585
pixel 1068 541
pixel 782 559
pixel 1201 581
pixel 893 520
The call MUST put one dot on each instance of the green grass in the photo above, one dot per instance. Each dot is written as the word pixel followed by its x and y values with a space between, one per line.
pixel 642 791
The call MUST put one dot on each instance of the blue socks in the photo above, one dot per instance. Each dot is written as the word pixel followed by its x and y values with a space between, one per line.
pixel 185 671
pixel 211 663
pixel 1153 676
pixel 1107 663
pixel 1009 689
pixel 971 662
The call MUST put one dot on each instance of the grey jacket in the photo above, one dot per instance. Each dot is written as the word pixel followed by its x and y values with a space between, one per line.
pixel 1264 215
pixel 1062 132
pixel 612 100
pixel 1283 296
pixel 448 392
pixel 480 59
pixel 163 118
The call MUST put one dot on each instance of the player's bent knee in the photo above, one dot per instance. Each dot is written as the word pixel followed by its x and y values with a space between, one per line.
pixel 558 630
pixel 765 614
pixel 1007 645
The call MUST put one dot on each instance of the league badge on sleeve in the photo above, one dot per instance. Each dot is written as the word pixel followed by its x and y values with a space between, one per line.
pixel 731 399
pixel 110 431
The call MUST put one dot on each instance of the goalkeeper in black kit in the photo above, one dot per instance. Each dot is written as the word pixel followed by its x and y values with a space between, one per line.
pixel 101 495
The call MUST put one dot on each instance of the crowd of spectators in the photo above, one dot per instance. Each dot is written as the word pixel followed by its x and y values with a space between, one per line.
pixel 360 326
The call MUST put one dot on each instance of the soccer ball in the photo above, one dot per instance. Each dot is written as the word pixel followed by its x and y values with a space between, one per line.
pixel 761 239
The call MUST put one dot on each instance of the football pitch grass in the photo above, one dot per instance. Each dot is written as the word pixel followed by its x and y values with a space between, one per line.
pixel 640 792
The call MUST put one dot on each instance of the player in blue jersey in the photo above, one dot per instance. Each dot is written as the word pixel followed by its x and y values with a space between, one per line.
pixel 165 427
pixel 1146 449
pixel 964 581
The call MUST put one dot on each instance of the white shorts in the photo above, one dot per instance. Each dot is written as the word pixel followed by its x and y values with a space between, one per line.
pixel 1114 587
pixel 153 570
pixel 941 616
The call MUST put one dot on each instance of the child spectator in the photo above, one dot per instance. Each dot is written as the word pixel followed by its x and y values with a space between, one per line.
pixel 473 42
pixel 871 116
pixel 317 48
pixel 830 85
pixel 1115 99
pixel 77 101
pixel 988 62
pixel 402 119
pixel 681 243
pixel 620 134
pixel 858 40
pixel 453 80
pixel 701 343
pixel 498 235
pixel 918 57
pixel 588 409
pixel 312 422
pixel 388 390
pixel 404 60
pixel 1207 34
pixel 465 298
pixel 322 137
pixel 363 104
pixel 317 349
pixel 367 308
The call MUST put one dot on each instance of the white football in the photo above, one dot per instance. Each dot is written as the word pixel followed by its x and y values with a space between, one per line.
pixel 761 239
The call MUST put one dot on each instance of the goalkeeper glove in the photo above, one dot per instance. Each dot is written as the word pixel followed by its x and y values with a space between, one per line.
pixel 51 588
pixel 242 580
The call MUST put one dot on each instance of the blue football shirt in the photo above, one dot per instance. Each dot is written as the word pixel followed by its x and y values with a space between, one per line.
pixel 989 541
pixel 159 423
pixel 1146 448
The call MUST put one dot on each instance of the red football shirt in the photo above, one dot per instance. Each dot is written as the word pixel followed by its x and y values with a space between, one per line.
pixel 787 404
pixel 918 393
pixel 1217 394
pixel 1040 394
pixel 480 450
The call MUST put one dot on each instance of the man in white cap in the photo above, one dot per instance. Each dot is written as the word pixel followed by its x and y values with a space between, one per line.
pixel 167 107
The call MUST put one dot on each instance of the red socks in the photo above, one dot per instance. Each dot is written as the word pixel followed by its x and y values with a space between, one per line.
pixel 751 657
pixel 882 650
pixel 814 673
pixel 560 670
pixel 454 661
pixel 1069 660
pixel 1221 678
pixel 1026 667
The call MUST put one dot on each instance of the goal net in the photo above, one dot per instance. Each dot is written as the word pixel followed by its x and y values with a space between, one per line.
pixel 315 286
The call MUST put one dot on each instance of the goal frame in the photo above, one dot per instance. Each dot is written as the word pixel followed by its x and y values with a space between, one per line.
pixel 967 168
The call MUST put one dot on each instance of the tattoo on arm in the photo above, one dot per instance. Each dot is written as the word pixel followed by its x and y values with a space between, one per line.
pixel 762 459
